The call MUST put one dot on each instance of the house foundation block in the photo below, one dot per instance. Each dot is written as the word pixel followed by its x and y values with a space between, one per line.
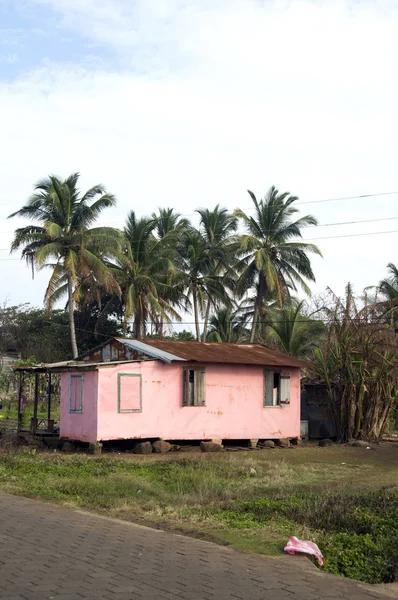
pixel 95 448
pixel 210 447
pixel 253 443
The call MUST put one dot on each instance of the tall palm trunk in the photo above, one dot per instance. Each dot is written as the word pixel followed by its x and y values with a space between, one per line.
pixel 206 323
pixel 71 310
pixel 259 303
pixel 196 313
pixel 254 323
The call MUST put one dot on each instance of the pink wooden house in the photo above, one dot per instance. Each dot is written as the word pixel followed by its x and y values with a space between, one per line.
pixel 131 389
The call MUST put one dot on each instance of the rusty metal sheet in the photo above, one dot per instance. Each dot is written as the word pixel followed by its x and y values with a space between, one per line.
pixel 212 352
pixel 125 350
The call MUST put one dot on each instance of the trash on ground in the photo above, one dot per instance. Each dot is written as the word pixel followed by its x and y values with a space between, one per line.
pixel 295 545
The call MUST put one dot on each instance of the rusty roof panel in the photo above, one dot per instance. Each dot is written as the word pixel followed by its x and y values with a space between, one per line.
pixel 212 352
pixel 119 350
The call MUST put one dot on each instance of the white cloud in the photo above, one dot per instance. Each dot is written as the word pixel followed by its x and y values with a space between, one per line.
pixel 222 97
pixel 10 57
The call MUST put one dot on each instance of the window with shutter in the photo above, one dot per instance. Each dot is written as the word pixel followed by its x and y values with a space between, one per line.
pixel 276 388
pixel 285 388
pixel 194 387
pixel 76 393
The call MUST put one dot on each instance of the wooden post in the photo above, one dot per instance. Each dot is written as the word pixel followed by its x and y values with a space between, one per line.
pixel 50 421
pixel 36 403
pixel 20 401
pixel 49 397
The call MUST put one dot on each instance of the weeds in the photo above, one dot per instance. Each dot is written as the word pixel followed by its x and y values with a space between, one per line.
pixel 253 501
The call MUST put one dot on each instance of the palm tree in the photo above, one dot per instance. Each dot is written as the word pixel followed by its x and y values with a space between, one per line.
pixel 62 239
pixel 195 264
pixel 142 268
pixel 168 222
pixel 296 333
pixel 388 287
pixel 218 227
pixel 226 326
pixel 199 274
pixel 272 261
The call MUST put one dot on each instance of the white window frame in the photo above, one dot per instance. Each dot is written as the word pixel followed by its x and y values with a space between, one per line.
pixel 199 389
pixel 281 394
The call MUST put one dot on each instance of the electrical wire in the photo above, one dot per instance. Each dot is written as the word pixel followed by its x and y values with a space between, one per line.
pixel 261 322
pixel 331 237
pixel 318 225
pixel 299 202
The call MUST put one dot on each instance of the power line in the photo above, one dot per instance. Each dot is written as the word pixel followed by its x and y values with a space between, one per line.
pixel 331 237
pixel 348 198
pixel 194 214
pixel 316 226
pixel 260 322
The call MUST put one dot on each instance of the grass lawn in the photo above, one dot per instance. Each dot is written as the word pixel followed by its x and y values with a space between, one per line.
pixel 343 498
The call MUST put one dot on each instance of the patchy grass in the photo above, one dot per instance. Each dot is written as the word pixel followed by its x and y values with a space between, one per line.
pixel 345 499
pixel 9 417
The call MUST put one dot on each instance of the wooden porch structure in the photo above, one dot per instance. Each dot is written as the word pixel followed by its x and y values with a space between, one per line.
pixel 36 422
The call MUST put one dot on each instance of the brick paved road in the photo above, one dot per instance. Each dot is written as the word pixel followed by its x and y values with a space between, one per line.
pixel 49 552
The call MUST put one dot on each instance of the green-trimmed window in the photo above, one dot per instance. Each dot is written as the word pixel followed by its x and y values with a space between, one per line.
pixel 129 392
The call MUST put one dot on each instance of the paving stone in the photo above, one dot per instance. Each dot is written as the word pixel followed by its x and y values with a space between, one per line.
pixel 52 553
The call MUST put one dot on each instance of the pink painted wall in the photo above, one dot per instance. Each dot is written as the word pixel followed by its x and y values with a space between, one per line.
pixel 234 405
pixel 76 426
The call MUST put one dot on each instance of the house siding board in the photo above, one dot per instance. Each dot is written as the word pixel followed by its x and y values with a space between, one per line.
pixel 234 407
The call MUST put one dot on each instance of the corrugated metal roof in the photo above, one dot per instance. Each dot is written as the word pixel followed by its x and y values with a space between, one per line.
pixel 212 352
pixel 149 350
pixel 71 365
pixel 174 351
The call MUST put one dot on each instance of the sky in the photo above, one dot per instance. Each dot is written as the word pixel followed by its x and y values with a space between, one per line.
pixel 186 104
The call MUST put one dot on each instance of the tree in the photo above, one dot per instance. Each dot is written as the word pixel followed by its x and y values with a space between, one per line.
pixel 142 268
pixel 62 239
pixel 294 332
pixel 199 274
pixel 226 326
pixel 272 261
pixel 388 288
pixel 169 223
pixel 218 227
pixel 359 363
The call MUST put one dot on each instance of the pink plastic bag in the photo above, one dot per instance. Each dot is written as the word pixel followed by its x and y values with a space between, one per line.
pixel 295 545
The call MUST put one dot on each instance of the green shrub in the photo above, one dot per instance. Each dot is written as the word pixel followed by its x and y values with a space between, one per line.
pixel 357 533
